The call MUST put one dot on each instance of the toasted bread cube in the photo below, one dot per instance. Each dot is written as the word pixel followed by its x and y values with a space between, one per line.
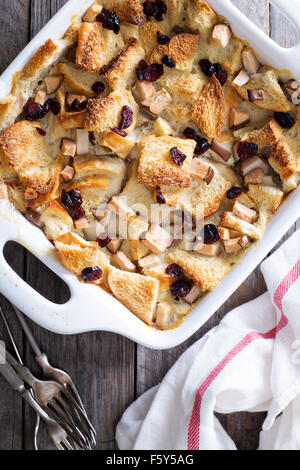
pixel 232 245
pixel 122 146
pixel 251 164
pixel 52 83
pixel 238 118
pixel 71 97
pixel 250 61
pixel 115 245
pixel 92 12
pixel 123 262
pixel 68 147
pixel 82 223
pixel 137 227
pixel 156 165
pixel 120 206
pixel 254 177
pixel 67 173
pixel 164 312
pixel 193 295
pixel 221 35
pixel 3 191
pixel 208 250
pixel 82 142
pixel 146 91
pixel 242 78
pixel 41 97
pixel 158 239
pixel 225 233
pixel 244 213
pixel 148 262
pixel 71 120
pixel 162 127
pixel 228 219
pixel 201 170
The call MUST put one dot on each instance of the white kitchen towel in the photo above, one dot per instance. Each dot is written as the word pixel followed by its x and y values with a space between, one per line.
pixel 250 362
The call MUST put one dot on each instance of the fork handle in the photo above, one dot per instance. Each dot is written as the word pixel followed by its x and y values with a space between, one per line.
pixel 28 332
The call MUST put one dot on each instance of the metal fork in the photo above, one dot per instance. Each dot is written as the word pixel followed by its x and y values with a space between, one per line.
pixel 58 435
pixel 55 374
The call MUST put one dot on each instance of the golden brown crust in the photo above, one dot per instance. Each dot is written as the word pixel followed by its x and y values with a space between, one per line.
pixel 102 114
pixel 89 56
pixel 182 49
pixel 75 253
pixel 127 10
pixel 138 293
pixel 121 69
pixel 24 150
pixel 42 56
pixel 206 272
pixel 209 110
pixel 156 165
pixel 284 162
pixel 267 80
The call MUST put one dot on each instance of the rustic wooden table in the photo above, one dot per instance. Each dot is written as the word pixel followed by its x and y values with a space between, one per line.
pixel 110 371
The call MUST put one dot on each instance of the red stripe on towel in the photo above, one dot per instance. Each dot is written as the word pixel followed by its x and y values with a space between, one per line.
pixel 284 286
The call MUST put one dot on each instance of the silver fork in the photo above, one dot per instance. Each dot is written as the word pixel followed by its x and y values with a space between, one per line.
pixel 58 435
pixel 55 374
pixel 57 402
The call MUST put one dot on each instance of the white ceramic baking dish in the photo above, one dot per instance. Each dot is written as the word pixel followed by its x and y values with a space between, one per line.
pixel 89 307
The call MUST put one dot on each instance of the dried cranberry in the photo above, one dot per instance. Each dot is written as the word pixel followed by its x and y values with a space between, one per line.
pixel 118 131
pixel 178 157
pixel 202 145
pixel 52 105
pixel 104 239
pixel 77 213
pixel 161 8
pixel 153 72
pixel 207 67
pixel 149 8
pixel 247 150
pixel 126 118
pixel 156 9
pixel 211 234
pixel 98 87
pixel 141 69
pixel 33 111
pixel 159 196
pixel 285 120
pixel 168 61
pixel 109 20
pixel 71 199
pixel 189 133
pixel 41 131
pixel 162 38
pixel 181 288
pixel 174 270
pixel 222 76
pixel 234 192
pixel 91 274
pixel 77 106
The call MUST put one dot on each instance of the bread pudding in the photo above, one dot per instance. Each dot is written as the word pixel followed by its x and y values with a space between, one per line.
pixel 153 148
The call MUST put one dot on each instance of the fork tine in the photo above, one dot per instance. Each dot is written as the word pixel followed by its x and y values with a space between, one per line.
pixel 73 412
pixel 81 413
pixel 70 428
pixel 67 444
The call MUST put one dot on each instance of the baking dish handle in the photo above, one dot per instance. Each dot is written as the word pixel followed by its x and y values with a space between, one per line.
pixel 64 318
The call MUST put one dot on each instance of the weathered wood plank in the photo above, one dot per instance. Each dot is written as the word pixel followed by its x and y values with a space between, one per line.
pixel 13 12
pixel 153 365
